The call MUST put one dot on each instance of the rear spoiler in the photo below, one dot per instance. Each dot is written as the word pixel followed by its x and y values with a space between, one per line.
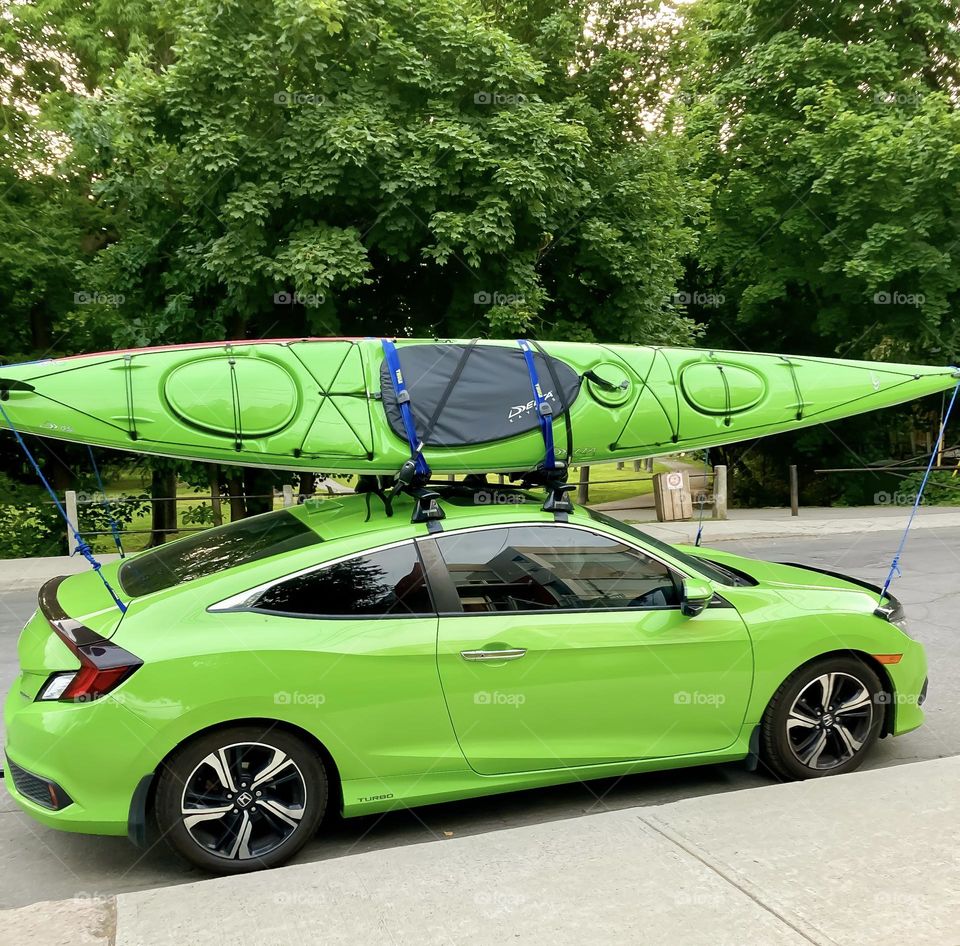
pixel 70 629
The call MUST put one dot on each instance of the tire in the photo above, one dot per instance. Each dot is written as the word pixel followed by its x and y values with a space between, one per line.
pixel 801 737
pixel 258 795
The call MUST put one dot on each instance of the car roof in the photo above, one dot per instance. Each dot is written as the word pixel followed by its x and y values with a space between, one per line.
pixel 340 516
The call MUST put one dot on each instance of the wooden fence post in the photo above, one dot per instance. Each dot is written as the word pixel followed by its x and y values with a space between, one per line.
pixel 71 507
pixel 213 470
pixel 583 491
pixel 719 492
pixel 794 491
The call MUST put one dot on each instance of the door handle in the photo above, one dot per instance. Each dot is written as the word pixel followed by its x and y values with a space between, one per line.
pixel 513 653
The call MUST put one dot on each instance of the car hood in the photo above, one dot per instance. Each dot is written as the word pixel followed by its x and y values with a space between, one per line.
pixel 785 575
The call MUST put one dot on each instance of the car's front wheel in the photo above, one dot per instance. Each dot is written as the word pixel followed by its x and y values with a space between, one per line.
pixel 241 799
pixel 823 719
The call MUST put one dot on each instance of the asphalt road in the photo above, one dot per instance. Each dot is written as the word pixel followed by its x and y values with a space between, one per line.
pixel 37 863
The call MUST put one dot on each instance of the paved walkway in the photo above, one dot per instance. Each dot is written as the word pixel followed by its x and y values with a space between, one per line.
pixel 777 522
pixel 864 858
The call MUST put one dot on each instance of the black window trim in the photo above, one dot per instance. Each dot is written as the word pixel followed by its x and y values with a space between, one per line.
pixel 246 601
pixel 445 592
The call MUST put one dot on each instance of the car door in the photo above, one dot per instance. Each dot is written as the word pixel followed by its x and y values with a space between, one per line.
pixel 351 645
pixel 560 646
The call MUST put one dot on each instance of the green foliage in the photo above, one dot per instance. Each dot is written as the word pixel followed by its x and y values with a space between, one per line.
pixel 199 515
pixel 375 167
pixel 942 489
pixel 97 516
pixel 29 523
pixel 831 133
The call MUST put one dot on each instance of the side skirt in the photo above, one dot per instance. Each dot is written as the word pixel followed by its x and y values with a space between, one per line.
pixel 371 795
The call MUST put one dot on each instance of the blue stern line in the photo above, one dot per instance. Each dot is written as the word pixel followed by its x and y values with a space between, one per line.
pixel 82 547
pixel 895 564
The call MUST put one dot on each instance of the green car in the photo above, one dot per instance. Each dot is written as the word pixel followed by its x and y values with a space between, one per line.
pixel 332 656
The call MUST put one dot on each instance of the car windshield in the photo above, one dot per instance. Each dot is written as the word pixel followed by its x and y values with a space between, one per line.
pixel 213 550
pixel 710 570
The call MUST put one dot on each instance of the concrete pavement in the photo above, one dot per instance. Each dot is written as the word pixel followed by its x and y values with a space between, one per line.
pixel 776 522
pixel 868 857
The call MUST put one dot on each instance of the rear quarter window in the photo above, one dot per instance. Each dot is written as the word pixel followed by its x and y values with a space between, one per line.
pixel 213 551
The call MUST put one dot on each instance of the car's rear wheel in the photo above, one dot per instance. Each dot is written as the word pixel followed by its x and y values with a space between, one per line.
pixel 241 799
pixel 823 719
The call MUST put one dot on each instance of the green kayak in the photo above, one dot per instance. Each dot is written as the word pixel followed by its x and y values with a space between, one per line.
pixel 336 405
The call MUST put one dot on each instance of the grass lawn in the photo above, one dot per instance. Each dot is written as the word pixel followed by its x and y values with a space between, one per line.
pixel 608 484
pixel 135 541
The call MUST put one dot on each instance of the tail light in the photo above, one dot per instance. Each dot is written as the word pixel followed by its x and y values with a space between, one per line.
pixel 103 664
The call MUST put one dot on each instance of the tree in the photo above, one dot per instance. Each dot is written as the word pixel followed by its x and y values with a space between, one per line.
pixel 831 132
pixel 381 168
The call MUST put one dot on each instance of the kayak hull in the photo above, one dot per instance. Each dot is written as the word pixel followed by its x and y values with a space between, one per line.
pixel 329 405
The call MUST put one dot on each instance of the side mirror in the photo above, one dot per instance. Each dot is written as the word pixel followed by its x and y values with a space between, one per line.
pixel 696 596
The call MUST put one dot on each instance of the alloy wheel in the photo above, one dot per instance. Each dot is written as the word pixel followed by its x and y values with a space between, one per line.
pixel 830 720
pixel 244 800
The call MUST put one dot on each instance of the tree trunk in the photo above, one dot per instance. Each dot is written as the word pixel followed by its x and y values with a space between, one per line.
pixel 56 469
pixel 238 505
pixel 308 486
pixel 163 508
pixel 259 485
pixel 213 473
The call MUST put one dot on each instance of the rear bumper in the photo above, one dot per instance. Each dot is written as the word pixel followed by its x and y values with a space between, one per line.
pixel 94 753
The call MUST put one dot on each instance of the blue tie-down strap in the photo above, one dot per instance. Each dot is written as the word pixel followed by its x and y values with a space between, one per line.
pixel 82 547
pixel 543 408
pixel 420 467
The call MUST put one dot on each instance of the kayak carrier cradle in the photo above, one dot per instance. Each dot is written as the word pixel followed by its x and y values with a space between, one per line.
pixel 414 477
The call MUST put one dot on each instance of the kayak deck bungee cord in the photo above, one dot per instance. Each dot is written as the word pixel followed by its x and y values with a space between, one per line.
pixel 491 406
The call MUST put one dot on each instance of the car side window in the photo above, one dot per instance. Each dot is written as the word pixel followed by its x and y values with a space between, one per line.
pixel 388 582
pixel 539 568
